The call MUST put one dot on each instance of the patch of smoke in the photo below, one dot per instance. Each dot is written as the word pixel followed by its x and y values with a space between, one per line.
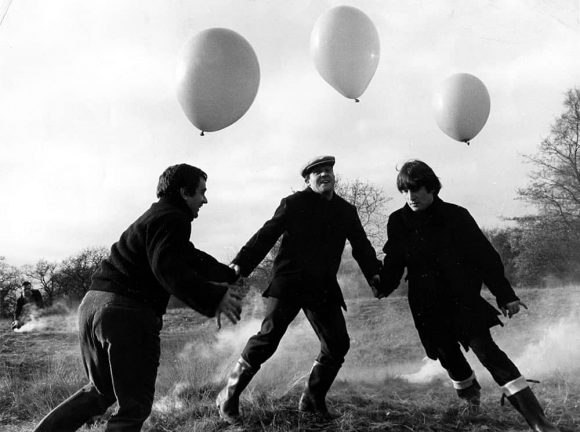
pixel 291 361
pixel 552 334
pixel 545 344
pixel 172 402
pixel 557 349
pixel 58 318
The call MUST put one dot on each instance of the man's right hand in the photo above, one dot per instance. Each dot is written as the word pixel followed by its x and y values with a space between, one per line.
pixel 230 306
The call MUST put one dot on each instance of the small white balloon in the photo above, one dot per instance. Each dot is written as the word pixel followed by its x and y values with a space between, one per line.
pixel 461 106
pixel 217 78
pixel 345 47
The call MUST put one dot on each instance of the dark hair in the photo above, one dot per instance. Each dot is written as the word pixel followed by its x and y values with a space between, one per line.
pixel 176 177
pixel 414 174
pixel 26 283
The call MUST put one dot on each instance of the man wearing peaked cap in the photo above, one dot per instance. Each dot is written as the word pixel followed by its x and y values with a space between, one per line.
pixel 318 161
pixel 314 225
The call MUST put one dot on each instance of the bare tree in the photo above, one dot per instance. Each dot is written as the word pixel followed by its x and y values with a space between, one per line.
pixel 549 242
pixel 73 276
pixel 44 273
pixel 555 178
pixel 10 280
pixel 371 203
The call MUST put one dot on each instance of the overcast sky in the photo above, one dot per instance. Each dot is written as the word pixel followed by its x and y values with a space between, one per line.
pixel 89 116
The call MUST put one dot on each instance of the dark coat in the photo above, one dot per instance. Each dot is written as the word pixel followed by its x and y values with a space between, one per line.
pixel 314 231
pixel 447 258
pixel 154 258
pixel 34 299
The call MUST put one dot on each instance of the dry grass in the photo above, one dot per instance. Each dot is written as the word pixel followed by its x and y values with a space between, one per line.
pixel 39 369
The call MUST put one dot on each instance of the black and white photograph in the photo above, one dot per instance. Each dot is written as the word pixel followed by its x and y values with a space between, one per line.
pixel 300 215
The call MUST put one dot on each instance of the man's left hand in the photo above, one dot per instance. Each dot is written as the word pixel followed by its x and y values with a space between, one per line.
pixel 512 308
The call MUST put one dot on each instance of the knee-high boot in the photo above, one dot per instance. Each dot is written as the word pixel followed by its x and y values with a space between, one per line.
pixel 469 390
pixel 228 399
pixel 523 399
pixel 313 397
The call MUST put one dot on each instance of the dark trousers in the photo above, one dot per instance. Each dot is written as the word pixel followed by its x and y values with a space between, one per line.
pixel 120 348
pixel 489 354
pixel 327 321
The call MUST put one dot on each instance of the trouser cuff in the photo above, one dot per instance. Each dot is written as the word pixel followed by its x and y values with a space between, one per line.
pixel 514 386
pixel 463 384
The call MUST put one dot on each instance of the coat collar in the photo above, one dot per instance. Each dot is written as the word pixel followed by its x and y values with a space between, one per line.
pixel 313 195
pixel 427 215
pixel 178 204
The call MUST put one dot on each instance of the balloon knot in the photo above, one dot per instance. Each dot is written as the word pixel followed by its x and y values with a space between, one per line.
pixel 467 142
pixel 202 134
pixel 356 100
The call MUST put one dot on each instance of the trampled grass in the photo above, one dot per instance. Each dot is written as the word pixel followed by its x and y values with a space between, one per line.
pixel 385 384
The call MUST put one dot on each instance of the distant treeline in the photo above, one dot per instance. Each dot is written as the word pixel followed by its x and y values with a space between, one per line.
pixel 67 280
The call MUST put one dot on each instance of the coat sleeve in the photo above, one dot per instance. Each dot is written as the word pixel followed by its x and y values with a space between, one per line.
pixel 362 250
pixel 481 253
pixel 256 249
pixel 180 268
pixel 210 268
pixel 394 261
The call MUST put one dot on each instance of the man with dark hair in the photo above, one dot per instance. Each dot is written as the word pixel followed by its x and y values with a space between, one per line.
pixel 26 305
pixel 447 259
pixel 120 317
pixel 314 224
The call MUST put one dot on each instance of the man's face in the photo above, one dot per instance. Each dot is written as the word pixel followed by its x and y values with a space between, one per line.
pixel 321 179
pixel 27 289
pixel 419 199
pixel 195 201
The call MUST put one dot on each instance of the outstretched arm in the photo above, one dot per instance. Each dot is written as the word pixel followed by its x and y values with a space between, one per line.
pixel 394 262
pixel 363 251
pixel 182 270
pixel 254 251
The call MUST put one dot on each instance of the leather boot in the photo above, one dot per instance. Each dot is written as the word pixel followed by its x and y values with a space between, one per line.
pixel 528 406
pixel 313 397
pixel 228 399
pixel 469 391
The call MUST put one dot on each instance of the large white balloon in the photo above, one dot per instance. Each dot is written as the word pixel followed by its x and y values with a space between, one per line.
pixel 217 78
pixel 461 106
pixel 346 49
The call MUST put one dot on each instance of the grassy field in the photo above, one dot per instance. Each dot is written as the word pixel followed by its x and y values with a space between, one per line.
pixel 385 384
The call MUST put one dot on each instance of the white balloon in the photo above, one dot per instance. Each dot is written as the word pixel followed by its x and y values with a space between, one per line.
pixel 345 47
pixel 217 78
pixel 461 106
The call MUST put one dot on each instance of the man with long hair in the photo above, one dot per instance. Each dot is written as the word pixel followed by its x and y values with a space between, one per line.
pixel 448 258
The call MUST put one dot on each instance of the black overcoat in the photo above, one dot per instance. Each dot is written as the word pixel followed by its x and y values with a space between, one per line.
pixel 447 258
pixel 314 231
pixel 155 258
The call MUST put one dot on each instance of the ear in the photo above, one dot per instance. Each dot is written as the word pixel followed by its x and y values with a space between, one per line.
pixel 182 192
